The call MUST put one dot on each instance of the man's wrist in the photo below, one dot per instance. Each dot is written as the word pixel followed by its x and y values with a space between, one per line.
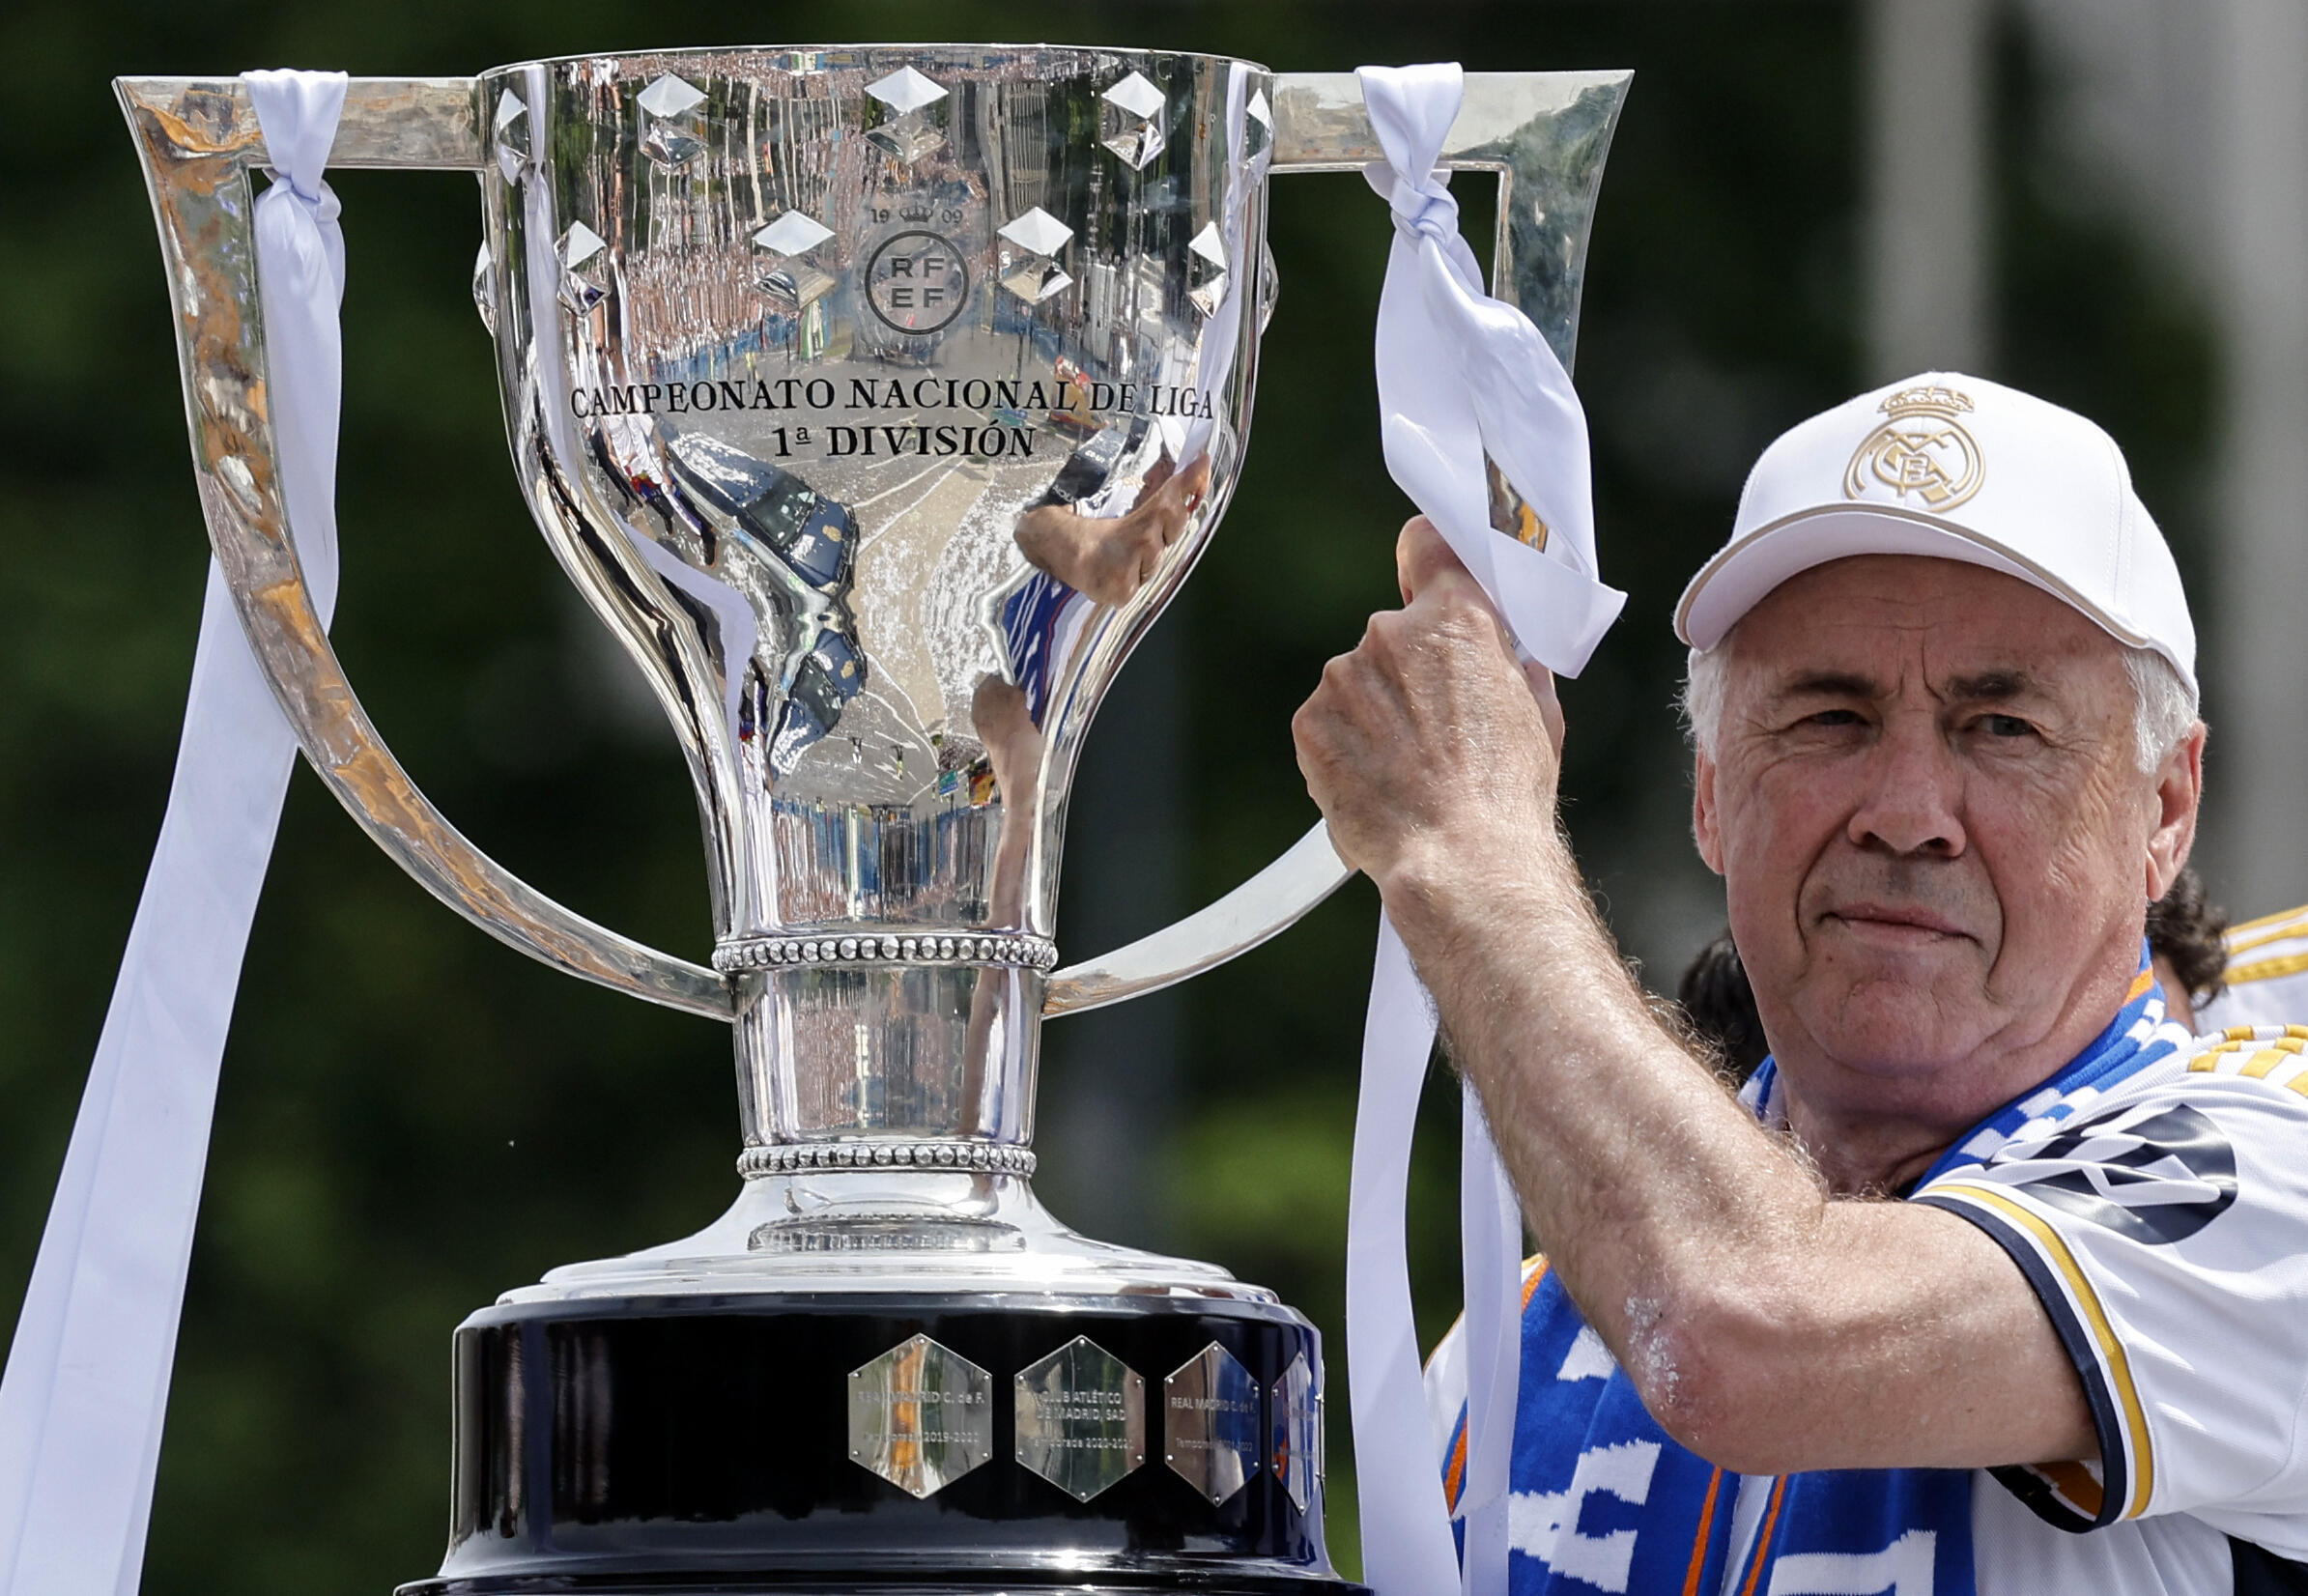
pixel 1443 888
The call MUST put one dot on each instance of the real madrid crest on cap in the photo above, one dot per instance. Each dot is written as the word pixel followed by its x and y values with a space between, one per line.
pixel 2057 510
pixel 1922 453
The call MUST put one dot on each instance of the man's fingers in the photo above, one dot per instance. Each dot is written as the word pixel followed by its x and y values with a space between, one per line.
pixel 1420 556
pixel 1430 574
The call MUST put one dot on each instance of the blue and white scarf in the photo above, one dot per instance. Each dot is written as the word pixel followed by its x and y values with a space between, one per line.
pixel 1604 1500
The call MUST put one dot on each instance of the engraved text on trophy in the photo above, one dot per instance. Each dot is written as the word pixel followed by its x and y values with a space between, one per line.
pixel 1210 1423
pixel 1081 1419
pixel 921 1416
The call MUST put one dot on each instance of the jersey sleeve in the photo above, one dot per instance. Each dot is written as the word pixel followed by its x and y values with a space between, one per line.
pixel 2165 1228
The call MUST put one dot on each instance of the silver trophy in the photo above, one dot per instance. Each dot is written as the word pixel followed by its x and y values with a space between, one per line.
pixel 877 398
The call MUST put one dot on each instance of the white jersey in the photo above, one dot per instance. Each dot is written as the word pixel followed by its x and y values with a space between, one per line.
pixel 2164 1224
pixel 2267 976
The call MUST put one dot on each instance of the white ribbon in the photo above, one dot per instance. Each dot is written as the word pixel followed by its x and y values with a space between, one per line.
pixel 87 1382
pixel 1462 376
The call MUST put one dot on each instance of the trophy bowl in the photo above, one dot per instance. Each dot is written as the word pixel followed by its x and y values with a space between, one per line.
pixel 877 398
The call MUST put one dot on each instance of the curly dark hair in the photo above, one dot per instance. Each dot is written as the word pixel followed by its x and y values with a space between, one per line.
pixel 2185 928
pixel 2189 933
pixel 1719 1007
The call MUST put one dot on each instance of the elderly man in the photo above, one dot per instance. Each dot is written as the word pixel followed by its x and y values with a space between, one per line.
pixel 1943 698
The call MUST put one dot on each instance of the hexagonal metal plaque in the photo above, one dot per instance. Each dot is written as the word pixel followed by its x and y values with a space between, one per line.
pixel 1296 1438
pixel 1081 1419
pixel 921 1416
pixel 1210 1423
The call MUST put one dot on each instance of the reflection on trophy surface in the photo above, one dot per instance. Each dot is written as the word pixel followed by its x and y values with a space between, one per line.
pixel 877 398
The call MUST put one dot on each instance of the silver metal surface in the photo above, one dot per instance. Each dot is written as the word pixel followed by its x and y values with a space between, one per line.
pixel 1081 1419
pixel 199 143
pixel 1294 1434
pixel 1210 1423
pixel 877 398
pixel 980 1157
pixel 1545 135
pixel 1262 908
pixel 1032 952
pixel 921 1416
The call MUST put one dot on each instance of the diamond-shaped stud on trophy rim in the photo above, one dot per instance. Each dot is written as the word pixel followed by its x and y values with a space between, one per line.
pixel 789 281
pixel 484 288
pixel 1258 125
pixel 1208 291
pixel 793 234
pixel 669 96
pixel 1131 124
pixel 1036 232
pixel 510 129
pixel 910 132
pixel 905 90
pixel 1041 236
pixel 673 127
pixel 579 245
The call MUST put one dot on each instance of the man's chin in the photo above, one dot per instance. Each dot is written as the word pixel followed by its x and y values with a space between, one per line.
pixel 1890 1029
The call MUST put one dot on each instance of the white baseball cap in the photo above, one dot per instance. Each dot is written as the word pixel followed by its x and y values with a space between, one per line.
pixel 1956 467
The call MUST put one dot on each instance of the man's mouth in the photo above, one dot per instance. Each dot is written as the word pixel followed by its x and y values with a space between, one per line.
pixel 1894 925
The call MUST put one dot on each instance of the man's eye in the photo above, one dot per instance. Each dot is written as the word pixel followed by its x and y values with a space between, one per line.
pixel 1832 717
pixel 2005 725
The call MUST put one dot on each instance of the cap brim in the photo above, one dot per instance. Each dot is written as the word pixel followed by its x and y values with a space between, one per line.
pixel 1736 579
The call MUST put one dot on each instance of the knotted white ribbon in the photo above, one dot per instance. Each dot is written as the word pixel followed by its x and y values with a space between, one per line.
pixel 87 1382
pixel 1462 376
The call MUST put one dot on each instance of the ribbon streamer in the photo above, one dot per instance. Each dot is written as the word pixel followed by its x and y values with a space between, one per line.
pixel 86 1390
pixel 1464 378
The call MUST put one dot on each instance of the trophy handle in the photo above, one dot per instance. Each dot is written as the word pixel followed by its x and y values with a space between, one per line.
pixel 1546 135
pixel 199 142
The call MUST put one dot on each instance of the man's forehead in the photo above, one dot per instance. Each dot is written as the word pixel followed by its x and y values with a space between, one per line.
pixel 1879 614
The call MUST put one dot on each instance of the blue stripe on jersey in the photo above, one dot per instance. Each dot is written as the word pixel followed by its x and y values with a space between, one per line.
pixel 1604 1500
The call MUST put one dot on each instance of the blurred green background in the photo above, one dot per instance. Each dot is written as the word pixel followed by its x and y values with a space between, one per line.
pixel 413 1119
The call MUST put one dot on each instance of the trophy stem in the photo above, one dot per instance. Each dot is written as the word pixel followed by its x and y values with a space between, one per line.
pixel 846 1065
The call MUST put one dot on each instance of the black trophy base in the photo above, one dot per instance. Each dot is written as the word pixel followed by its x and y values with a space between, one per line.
pixel 675 1446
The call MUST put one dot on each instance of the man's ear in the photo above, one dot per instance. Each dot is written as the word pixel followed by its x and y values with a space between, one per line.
pixel 1703 828
pixel 2179 791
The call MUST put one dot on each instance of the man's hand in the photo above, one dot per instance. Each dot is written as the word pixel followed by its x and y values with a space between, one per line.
pixel 1429 747
pixel 1111 558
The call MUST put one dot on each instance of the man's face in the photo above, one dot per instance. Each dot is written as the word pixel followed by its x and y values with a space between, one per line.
pixel 1936 841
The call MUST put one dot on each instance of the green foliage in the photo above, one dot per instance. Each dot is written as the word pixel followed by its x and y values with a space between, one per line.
pixel 413 1118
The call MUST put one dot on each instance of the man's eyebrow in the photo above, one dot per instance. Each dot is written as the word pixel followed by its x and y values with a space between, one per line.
pixel 1828 684
pixel 1997 686
pixel 1990 686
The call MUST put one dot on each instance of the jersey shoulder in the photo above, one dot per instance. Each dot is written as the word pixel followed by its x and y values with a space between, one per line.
pixel 2266 977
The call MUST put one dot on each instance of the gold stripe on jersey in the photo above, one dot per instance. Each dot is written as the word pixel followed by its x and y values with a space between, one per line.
pixel 2248 1052
pixel 2265 969
pixel 2289 932
pixel 2111 1348
pixel 2282 917
pixel 2260 1063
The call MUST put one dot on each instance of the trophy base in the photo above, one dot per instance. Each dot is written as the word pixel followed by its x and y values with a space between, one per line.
pixel 852 1441
pixel 778 1586
pixel 882 1231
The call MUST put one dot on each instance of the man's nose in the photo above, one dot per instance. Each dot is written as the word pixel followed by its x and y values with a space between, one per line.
pixel 1912 799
